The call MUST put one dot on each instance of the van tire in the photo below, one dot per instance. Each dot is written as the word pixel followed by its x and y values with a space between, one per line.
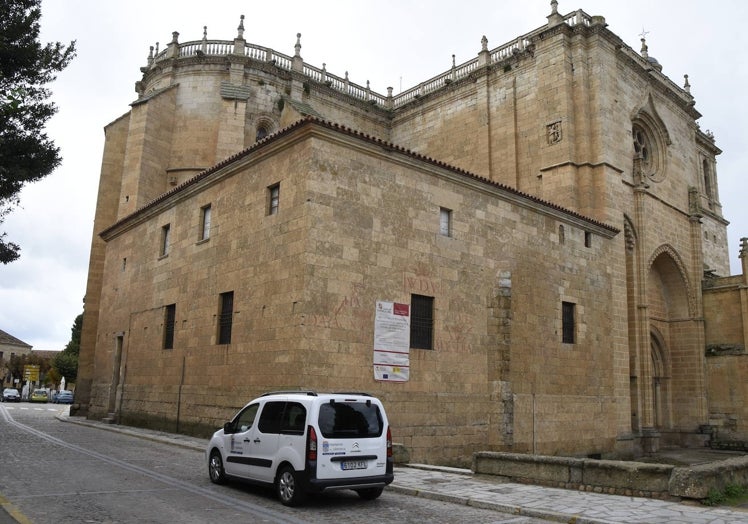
pixel 288 487
pixel 369 493
pixel 215 468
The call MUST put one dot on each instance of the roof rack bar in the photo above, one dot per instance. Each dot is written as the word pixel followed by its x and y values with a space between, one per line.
pixel 360 393
pixel 309 393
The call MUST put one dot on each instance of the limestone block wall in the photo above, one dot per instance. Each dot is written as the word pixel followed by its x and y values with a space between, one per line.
pixel 148 150
pixel 106 212
pixel 727 393
pixel 726 358
pixel 354 228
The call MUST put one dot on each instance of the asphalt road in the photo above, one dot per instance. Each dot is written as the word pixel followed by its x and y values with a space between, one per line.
pixel 54 472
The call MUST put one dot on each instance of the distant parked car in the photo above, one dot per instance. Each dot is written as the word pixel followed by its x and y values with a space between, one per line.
pixel 11 395
pixel 63 397
pixel 39 395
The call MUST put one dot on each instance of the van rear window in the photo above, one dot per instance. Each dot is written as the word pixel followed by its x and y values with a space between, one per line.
pixel 350 420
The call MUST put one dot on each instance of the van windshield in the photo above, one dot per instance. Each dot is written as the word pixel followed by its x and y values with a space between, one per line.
pixel 350 420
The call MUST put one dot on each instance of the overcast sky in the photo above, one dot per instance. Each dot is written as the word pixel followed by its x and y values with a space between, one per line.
pixel 395 43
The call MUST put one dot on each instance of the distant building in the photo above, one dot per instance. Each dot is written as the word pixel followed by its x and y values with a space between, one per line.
pixel 10 347
pixel 546 215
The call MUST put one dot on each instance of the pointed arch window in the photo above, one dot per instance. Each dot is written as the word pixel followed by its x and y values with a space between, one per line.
pixel 646 152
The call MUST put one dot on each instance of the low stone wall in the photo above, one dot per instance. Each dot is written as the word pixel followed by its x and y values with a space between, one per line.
pixel 614 477
pixel 694 482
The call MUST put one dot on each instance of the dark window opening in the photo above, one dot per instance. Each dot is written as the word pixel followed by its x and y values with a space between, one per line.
pixel 170 314
pixel 587 239
pixel 421 322
pixel 226 317
pixel 568 322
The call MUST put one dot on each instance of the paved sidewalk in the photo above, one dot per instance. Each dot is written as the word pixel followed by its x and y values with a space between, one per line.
pixel 561 505
pixel 462 487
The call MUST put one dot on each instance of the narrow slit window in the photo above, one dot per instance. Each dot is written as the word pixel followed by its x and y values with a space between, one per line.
pixel 225 317
pixel 170 315
pixel 445 222
pixel 273 199
pixel 205 213
pixel 165 239
pixel 421 322
pixel 568 322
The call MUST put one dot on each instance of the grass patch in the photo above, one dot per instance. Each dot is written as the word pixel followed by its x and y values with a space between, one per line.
pixel 732 495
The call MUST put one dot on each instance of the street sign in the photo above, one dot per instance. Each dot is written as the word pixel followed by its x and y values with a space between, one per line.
pixel 31 372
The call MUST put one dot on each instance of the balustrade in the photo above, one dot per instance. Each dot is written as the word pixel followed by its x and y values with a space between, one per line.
pixel 456 72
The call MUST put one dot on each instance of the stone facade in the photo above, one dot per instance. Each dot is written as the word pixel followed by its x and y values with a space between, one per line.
pixel 581 208
pixel 10 347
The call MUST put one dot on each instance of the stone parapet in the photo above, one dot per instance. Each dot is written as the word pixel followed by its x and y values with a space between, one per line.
pixel 615 477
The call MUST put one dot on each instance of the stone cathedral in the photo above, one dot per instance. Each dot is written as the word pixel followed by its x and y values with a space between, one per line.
pixel 546 216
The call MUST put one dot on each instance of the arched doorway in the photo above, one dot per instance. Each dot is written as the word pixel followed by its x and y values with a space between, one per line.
pixel 672 369
pixel 660 398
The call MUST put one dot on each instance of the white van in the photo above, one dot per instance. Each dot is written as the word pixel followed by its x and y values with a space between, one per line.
pixel 305 442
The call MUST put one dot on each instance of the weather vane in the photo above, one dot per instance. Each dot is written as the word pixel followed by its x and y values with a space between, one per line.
pixel 644 33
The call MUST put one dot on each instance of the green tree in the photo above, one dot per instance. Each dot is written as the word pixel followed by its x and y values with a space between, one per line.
pixel 26 66
pixel 74 346
pixel 66 365
pixel 65 362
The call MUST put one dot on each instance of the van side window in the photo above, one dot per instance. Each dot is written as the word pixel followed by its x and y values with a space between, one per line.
pixel 294 419
pixel 270 417
pixel 246 418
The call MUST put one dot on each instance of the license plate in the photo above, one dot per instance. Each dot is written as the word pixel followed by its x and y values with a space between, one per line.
pixel 353 464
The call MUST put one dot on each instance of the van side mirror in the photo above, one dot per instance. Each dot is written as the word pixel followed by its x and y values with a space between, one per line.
pixel 228 427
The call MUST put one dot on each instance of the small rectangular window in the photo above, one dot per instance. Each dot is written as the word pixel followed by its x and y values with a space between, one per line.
pixel 587 239
pixel 568 322
pixel 165 234
pixel 170 314
pixel 225 317
pixel 445 222
pixel 205 222
pixel 273 199
pixel 421 322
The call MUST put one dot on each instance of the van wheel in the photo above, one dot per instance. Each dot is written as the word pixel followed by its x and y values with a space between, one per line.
pixel 288 487
pixel 369 493
pixel 215 468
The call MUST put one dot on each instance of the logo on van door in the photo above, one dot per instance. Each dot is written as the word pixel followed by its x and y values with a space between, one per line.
pixel 355 448
pixel 335 448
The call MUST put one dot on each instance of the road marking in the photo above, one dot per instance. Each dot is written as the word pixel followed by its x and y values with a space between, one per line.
pixel 265 514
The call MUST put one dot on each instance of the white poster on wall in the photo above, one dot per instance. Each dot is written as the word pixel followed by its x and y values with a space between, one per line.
pixel 392 342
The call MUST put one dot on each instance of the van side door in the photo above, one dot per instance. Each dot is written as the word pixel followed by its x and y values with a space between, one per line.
pixel 263 443
pixel 237 434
